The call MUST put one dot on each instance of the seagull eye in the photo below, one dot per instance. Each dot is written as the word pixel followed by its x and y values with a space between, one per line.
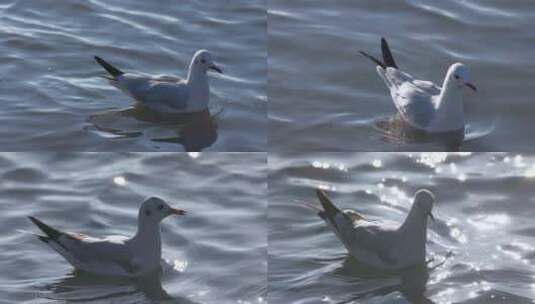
pixel 160 207
pixel 203 61
pixel 147 212
pixel 456 76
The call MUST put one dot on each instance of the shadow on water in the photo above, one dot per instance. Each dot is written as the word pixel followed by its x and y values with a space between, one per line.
pixel 410 282
pixel 82 287
pixel 195 131
pixel 396 131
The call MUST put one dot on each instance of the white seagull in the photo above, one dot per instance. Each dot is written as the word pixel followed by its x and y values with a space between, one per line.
pixel 114 255
pixel 381 247
pixel 422 104
pixel 167 94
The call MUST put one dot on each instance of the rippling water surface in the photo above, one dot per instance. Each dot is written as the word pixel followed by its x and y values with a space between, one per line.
pixel 50 84
pixel 215 254
pixel 481 244
pixel 326 97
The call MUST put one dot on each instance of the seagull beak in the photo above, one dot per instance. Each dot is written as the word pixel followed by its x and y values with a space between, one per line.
pixel 431 216
pixel 471 86
pixel 177 211
pixel 216 68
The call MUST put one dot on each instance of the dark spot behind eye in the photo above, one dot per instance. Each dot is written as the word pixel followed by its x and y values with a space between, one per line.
pixel 147 212
pixel 160 207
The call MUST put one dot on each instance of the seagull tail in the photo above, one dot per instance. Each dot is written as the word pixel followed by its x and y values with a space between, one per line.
pixel 330 210
pixel 387 55
pixel 377 61
pixel 51 233
pixel 108 67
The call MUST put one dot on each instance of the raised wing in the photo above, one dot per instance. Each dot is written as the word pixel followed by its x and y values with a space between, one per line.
pixel 357 238
pixel 373 239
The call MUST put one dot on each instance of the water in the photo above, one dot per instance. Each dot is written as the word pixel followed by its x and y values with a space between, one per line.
pixel 325 96
pixel 50 84
pixel 481 242
pixel 216 253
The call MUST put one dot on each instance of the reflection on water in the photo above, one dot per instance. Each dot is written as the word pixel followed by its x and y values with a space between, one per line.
pixel 85 287
pixel 396 131
pixel 195 131
pixel 410 282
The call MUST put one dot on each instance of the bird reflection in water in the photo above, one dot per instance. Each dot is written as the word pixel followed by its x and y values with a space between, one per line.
pixel 395 130
pixel 84 287
pixel 410 282
pixel 195 130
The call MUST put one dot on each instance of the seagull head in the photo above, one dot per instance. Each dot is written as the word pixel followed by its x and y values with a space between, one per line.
pixel 202 61
pixel 155 209
pixel 459 74
pixel 424 200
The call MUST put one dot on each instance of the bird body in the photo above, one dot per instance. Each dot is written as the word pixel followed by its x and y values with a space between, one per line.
pixel 114 255
pixel 167 93
pixel 422 104
pixel 378 246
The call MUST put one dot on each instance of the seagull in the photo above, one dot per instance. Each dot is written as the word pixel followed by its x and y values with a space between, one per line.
pixel 114 255
pixel 422 104
pixel 381 247
pixel 167 94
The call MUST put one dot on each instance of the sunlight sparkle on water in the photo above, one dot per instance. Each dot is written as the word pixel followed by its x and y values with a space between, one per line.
pixel 119 180
pixel 432 159
pixel 377 163
pixel 194 155
pixel 179 266
pixel 325 165
pixel 489 221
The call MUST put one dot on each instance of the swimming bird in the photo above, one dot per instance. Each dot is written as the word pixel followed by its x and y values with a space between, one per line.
pixel 422 104
pixel 381 247
pixel 114 255
pixel 167 93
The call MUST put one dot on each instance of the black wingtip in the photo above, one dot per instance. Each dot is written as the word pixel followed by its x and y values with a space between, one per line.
pixel 43 239
pixel 330 209
pixel 388 59
pixel 49 231
pixel 377 61
pixel 108 67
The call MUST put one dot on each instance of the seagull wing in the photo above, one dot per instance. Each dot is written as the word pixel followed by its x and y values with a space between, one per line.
pixel 105 256
pixel 163 93
pixel 366 242
pixel 374 240
pixel 412 98
pixel 168 78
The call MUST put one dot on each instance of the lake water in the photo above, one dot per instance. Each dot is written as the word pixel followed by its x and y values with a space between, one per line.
pixel 50 85
pixel 216 253
pixel 325 96
pixel 481 242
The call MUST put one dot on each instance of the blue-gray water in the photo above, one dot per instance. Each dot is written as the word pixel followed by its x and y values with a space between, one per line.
pixel 218 249
pixel 482 239
pixel 50 85
pixel 325 96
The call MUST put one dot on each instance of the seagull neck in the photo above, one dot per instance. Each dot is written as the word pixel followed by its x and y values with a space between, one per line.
pixel 196 74
pixel 197 81
pixel 415 227
pixel 148 234
pixel 450 108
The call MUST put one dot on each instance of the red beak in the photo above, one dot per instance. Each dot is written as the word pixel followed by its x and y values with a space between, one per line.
pixel 178 211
